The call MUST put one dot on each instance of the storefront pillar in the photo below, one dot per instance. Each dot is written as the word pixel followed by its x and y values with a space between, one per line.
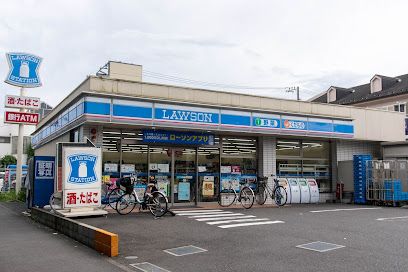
pixel 266 156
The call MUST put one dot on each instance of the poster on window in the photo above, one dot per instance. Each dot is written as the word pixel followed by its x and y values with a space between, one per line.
pixel 184 191
pixel 127 168
pixel 230 182
pixel 208 188
pixel 163 168
pixel 110 167
pixel 236 169
pixel 225 169
pixel 163 186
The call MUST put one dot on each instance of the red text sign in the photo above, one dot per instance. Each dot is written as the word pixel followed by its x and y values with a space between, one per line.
pixel 21 117
pixel 13 101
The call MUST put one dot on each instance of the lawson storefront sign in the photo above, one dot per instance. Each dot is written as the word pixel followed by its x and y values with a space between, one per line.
pixel 176 137
pixel 150 114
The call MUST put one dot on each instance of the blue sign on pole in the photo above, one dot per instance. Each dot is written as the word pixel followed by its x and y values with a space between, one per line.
pixel 23 70
pixel 176 137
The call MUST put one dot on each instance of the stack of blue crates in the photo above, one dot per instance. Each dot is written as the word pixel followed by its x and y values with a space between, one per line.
pixel 393 190
pixel 360 177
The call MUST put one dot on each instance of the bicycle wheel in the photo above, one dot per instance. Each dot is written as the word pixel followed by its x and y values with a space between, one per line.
pixel 126 203
pixel 227 197
pixel 157 204
pixel 56 201
pixel 247 197
pixel 261 195
pixel 114 196
pixel 281 195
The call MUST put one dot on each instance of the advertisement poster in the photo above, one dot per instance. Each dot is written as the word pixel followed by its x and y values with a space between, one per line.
pixel 235 169
pixel 127 168
pixel 153 167
pixel 202 169
pixel 110 167
pixel 140 189
pixel 230 182
pixel 209 178
pixel 163 168
pixel 208 188
pixel 163 186
pixel 225 169
pixel 184 191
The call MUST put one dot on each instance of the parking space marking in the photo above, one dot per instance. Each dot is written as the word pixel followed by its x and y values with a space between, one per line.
pixel 339 210
pixel 250 224
pixel 225 218
pixel 184 250
pixel 236 221
pixel 215 215
pixel 392 218
pixel 148 267
pixel 320 246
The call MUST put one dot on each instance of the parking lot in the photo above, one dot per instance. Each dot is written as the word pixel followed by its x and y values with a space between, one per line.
pixel 364 238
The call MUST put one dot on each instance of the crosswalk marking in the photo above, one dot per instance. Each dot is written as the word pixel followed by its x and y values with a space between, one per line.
pixel 204 213
pixel 195 211
pixel 236 221
pixel 225 219
pixel 215 215
pixel 250 224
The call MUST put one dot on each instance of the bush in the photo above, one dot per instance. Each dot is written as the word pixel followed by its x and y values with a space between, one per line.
pixel 11 196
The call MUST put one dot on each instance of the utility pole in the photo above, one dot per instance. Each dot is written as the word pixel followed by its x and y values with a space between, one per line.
pixel 292 89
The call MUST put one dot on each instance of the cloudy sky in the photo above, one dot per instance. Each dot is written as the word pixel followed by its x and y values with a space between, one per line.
pixel 311 44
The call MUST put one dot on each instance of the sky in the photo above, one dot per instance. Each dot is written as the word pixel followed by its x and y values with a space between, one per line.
pixel 263 45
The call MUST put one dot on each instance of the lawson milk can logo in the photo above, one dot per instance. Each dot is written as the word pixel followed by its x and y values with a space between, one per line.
pixel 23 70
pixel 82 168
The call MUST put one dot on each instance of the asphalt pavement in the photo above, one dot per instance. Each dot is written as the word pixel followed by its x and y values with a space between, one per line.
pixel 366 238
pixel 28 246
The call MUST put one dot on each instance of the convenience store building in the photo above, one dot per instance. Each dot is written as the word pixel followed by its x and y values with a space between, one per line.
pixel 192 140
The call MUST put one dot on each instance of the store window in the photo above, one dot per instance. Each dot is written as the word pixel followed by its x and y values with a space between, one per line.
pixel 238 162
pixel 111 157
pixel 306 159
pixel 208 172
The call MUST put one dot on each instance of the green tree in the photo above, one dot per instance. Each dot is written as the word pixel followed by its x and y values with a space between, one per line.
pixel 7 160
pixel 30 151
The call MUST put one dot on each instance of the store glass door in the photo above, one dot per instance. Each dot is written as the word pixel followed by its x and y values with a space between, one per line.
pixel 160 169
pixel 185 170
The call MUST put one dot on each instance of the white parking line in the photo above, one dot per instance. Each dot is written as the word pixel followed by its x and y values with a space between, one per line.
pixel 249 224
pixel 392 218
pixel 204 213
pixel 214 215
pixel 225 218
pixel 237 221
pixel 338 210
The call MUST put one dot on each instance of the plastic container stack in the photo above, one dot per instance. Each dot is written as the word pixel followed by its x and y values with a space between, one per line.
pixel 360 177
pixel 393 191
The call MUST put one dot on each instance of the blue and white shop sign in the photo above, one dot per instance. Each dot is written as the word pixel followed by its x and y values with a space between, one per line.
pixel 177 137
pixel 23 70
pixel 186 115
pixel 82 176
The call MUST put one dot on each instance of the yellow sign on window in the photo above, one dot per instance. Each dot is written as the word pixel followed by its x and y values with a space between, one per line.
pixel 208 188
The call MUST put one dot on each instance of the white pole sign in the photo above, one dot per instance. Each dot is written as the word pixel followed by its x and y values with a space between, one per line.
pixel 22 102
pixel 82 177
pixel 23 73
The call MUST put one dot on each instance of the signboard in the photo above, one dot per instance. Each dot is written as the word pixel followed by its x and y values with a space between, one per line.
pixel 21 117
pixel 110 167
pixel 208 188
pixel 23 70
pixel 186 115
pixel 184 191
pixel 176 137
pixel 127 168
pixel 22 102
pixel 44 169
pixel 82 176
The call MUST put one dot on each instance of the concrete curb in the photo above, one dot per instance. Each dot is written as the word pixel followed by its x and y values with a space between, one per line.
pixel 101 240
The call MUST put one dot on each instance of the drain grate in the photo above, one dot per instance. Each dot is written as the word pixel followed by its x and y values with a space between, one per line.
pixel 320 246
pixel 148 267
pixel 184 250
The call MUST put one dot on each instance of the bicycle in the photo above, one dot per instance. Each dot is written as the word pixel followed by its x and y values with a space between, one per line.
pixel 153 199
pixel 278 193
pixel 111 195
pixel 229 195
